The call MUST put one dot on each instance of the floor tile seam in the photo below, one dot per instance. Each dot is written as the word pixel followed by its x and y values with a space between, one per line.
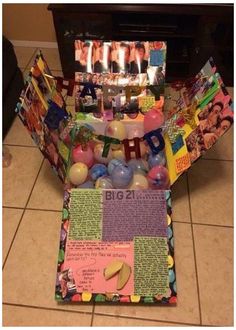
pixel 194 251
pixel 45 308
pixel 18 226
pixel 144 319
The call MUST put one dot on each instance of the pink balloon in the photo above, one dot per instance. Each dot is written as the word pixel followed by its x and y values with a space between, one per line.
pixel 153 119
pixel 84 156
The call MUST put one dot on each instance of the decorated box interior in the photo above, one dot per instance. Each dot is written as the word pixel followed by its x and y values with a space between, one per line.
pixel 118 156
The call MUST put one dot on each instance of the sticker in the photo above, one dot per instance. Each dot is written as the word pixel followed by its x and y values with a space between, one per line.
pixel 146 103
pixel 177 145
pixel 156 57
pixel 182 163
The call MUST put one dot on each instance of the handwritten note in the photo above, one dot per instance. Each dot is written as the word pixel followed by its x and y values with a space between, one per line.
pixel 182 163
pixel 85 214
pixel 88 259
pixel 129 213
pixel 150 266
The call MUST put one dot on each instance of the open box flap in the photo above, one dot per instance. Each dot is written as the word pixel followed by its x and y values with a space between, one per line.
pixel 42 110
pixel 201 113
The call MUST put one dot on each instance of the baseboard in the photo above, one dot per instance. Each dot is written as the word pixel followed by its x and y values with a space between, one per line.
pixel 36 44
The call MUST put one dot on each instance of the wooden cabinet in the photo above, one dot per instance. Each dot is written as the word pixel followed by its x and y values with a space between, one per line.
pixel 193 32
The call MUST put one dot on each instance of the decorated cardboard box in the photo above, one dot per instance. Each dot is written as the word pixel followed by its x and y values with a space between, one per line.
pixel 118 157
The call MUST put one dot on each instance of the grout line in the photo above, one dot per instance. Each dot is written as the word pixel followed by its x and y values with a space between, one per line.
pixel 46 308
pixel 194 252
pixel 89 313
pixel 203 224
pixel 18 145
pixel 212 225
pixel 91 324
pixel 144 319
pixel 220 160
pixel 13 207
pixel 13 239
pixel 43 210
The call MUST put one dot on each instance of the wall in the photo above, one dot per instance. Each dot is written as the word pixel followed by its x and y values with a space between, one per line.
pixel 31 22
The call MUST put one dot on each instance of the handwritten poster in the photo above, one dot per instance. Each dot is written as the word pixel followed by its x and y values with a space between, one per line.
pixel 88 259
pixel 132 213
pixel 85 214
pixel 150 266
pixel 115 246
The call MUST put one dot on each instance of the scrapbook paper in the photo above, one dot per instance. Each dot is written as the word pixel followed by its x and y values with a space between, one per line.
pixel 41 108
pixel 120 64
pixel 132 265
pixel 203 113
pixel 151 253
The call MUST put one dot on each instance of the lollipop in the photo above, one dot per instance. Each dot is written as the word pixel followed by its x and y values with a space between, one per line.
pixel 158 178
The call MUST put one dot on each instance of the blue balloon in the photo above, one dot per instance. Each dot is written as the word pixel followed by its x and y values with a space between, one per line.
pixel 139 165
pixel 156 159
pixel 113 163
pixel 97 170
pixel 87 185
pixel 170 234
pixel 171 275
pixel 121 176
pixel 174 286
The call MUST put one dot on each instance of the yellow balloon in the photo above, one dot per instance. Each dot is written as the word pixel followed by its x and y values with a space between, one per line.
pixel 117 130
pixel 98 150
pixel 78 173
pixel 119 154
pixel 139 182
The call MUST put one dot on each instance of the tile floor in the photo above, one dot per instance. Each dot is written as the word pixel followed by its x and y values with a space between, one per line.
pixel 203 228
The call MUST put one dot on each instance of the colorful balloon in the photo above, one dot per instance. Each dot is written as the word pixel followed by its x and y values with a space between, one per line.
pixel 113 163
pixel 119 153
pixel 83 155
pixel 78 173
pixel 156 159
pixel 135 131
pixel 117 130
pixel 87 185
pixel 158 178
pixel 122 176
pixel 97 170
pixel 139 165
pixel 104 182
pixel 153 119
pixel 98 150
pixel 139 182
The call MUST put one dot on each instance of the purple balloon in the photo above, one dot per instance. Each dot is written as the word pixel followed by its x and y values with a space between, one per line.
pixel 121 176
